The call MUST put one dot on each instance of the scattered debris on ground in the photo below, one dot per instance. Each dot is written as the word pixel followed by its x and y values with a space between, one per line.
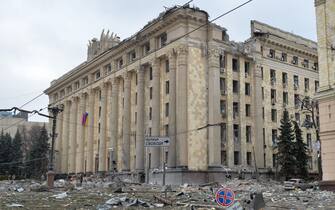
pixel 103 194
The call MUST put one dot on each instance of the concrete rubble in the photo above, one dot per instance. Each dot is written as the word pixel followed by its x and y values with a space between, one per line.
pixel 103 194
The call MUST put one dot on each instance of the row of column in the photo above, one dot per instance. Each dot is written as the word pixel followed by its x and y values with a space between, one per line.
pixel 76 139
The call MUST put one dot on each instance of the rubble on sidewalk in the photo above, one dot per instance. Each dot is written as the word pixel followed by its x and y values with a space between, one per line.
pixel 104 193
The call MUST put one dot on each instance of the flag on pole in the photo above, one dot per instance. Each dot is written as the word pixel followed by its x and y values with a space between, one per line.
pixel 84 118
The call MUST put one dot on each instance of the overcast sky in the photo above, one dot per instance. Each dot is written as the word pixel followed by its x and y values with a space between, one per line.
pixel 40 40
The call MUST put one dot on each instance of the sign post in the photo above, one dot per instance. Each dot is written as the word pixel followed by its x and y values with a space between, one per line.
pixel 156 141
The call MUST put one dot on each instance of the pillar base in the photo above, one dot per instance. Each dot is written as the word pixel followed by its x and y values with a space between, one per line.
pixel 50 179
pixel 327 185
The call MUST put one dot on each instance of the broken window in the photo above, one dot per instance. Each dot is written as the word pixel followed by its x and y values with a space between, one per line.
pixel 247 89
pixel 167 66
pixel 85 80
pixel 235 87
pixel 296 100
pixel 285 98
pixel 166 109
pixel 235 64
pixel 236 133
pixel 295 60
pixel 306 84
pixel 150 92
pixel 76 85
pixel 167 87
pixel 248 133
pixel 150 73
pixel 274 137
pixel 236 157
pixel 223 86
pixel 249 158
pixel 97 75
pixel 305 63
pixel 222 62
pixel 235 109
pixel 146 48
pixel 284 57
pixel 223 132
pixel 246 69
pixel 296 82
pixel 316 86
pixel 119 63
pixel 315 66
pixel 223 106
pixel 162 40
pixel 274 115
pixel 273 96
pixel 272 53
pixel 284 79
pixel 273 76
pixel 247 110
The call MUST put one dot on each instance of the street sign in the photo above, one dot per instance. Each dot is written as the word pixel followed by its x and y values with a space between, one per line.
pixel 155 141
pixel 225 197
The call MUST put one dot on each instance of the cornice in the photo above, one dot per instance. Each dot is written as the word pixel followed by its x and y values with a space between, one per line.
pixel 140 37
pixel 292 46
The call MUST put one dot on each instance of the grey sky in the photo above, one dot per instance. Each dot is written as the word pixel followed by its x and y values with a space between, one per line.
pixel 41 40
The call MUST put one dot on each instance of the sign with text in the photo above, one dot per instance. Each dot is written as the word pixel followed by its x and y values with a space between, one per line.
pixel 155 141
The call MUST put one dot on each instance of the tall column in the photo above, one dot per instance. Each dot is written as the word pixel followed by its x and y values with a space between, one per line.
pixel 155 152
pixel 81 135
pixel 230 146
pixel 259 121
pixel 58 153
pixel 114 119
pixel 65 137
pixel 73 134
pixel 172 111
pixel 102 145
pixel 181 104
pixel 90 142
pixel 214 116
pixel 126 124
pixel 140 121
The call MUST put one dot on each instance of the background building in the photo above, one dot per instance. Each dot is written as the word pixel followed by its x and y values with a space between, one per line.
pixel 219 101
pixel 10 123
pixel 325 19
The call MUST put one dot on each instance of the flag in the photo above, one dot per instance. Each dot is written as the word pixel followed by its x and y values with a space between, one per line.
pixel 84 118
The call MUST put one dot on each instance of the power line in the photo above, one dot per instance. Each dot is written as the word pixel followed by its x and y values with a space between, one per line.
pixel 23 119
pixel 31 100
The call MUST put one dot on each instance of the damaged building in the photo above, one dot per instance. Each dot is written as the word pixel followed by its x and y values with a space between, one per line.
pixel 220 102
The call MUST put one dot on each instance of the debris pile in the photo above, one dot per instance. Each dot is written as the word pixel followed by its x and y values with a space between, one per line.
pixel 103 194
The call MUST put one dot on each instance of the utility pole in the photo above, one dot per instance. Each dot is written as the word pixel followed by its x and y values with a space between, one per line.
pixel 51 173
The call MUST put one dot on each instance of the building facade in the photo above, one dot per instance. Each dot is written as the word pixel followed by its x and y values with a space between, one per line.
pixel 325 19
pixel 219 101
